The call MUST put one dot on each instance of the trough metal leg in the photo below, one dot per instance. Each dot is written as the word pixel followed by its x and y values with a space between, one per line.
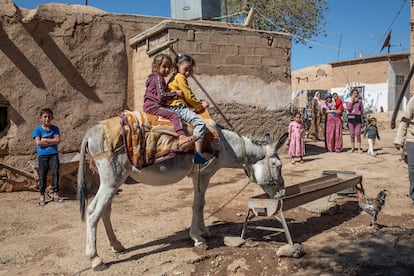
pixel 245 223
pixel 286 228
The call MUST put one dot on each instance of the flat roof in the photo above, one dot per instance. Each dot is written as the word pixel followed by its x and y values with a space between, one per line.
pixel 188 24
pixel 395 56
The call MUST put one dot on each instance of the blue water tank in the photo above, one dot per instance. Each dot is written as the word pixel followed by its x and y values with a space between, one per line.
pixel 195 9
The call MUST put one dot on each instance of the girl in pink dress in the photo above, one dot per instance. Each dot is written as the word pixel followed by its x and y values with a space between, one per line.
pixel 296 138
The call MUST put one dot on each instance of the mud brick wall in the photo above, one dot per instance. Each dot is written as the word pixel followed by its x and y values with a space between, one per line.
pixel 244 71
pixel 72 58
pixel 245 121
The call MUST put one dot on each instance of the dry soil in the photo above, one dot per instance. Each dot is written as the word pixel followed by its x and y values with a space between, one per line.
pixel 153 223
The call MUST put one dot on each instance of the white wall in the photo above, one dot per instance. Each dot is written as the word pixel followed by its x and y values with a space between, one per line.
pixel 395 68
pixel 375 96
pixel 246 90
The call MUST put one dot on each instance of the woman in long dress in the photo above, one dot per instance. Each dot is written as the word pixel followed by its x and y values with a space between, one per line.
pixel 333 125
pixel 315 130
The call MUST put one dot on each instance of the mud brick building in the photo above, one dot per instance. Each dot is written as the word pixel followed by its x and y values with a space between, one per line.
pixel 88 65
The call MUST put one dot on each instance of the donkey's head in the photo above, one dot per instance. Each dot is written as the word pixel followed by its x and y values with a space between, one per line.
pixel 267 171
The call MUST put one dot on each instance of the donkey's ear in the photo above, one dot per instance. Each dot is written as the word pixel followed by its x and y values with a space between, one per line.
pixel 267 139
pixel 281 141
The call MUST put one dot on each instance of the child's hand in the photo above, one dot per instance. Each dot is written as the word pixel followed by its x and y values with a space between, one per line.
pixel 204 103
pixel 179 93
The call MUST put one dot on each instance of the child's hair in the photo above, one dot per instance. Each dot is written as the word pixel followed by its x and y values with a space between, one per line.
pixel 45 110
pixel 182 58
pixel 158 59
pixel 297 113
pixel 372 119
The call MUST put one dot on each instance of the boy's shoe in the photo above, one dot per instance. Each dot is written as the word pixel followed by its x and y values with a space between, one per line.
pixel 58 199
pixel 203 162
pixel 198 158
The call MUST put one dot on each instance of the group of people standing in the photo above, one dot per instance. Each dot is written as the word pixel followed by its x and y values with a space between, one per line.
pixel 327 121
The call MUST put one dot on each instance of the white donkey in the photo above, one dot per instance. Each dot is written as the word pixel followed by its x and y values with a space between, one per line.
pixel 260 160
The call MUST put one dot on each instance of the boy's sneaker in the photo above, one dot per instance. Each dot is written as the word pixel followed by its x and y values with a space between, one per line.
pixel 198 158
pixel 203 162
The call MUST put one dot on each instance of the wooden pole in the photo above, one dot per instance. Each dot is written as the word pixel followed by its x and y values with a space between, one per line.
pixel 249 19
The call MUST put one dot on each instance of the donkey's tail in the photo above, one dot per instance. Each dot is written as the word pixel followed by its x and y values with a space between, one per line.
pixel 82 192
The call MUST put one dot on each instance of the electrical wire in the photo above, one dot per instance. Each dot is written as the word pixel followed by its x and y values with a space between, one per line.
pixel 389 28
pixel 226 16
pixel 305 39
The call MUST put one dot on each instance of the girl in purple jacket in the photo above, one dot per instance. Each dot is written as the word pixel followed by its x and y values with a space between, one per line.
pixel 156 95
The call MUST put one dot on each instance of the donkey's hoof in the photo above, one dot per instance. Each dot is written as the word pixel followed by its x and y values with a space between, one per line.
pixel 118 248
pixel 98 264
pixel 201 245
pixel 100 267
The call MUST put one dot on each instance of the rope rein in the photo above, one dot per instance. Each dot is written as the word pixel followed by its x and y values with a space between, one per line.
pixel 230 200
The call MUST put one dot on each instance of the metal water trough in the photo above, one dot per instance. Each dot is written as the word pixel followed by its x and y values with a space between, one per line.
pixel 331 182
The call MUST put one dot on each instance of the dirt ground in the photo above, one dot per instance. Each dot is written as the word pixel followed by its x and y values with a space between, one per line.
pixel 153 224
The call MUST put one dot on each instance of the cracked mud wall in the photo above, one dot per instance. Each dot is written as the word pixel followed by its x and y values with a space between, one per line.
pixel 77 60
pixel 71 58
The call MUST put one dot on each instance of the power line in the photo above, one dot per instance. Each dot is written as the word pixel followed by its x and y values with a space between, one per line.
pixel 305 39
pixel 339 50
pixel 361 34
pixel 324 45
pixel 389 28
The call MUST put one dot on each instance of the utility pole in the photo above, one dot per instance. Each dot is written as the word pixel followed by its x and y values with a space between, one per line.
pixel 339 48
pixel 225 11
pixel 86 2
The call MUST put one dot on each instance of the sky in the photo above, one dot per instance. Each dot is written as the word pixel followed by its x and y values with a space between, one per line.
pixel 354 28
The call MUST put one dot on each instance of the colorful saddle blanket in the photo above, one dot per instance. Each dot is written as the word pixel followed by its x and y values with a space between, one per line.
pixel 151 139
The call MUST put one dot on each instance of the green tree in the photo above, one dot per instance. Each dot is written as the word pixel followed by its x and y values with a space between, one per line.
pixel 303 18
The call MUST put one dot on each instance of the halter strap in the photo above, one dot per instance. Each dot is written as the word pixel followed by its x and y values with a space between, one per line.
pixel 247 168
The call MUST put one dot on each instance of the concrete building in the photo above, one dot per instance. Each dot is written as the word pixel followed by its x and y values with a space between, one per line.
pixel 379 80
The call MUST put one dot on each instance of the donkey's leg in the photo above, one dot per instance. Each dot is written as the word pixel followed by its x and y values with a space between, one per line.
pixel 94 213
pixel 198 228
pixel 110 179
pixel 116 245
